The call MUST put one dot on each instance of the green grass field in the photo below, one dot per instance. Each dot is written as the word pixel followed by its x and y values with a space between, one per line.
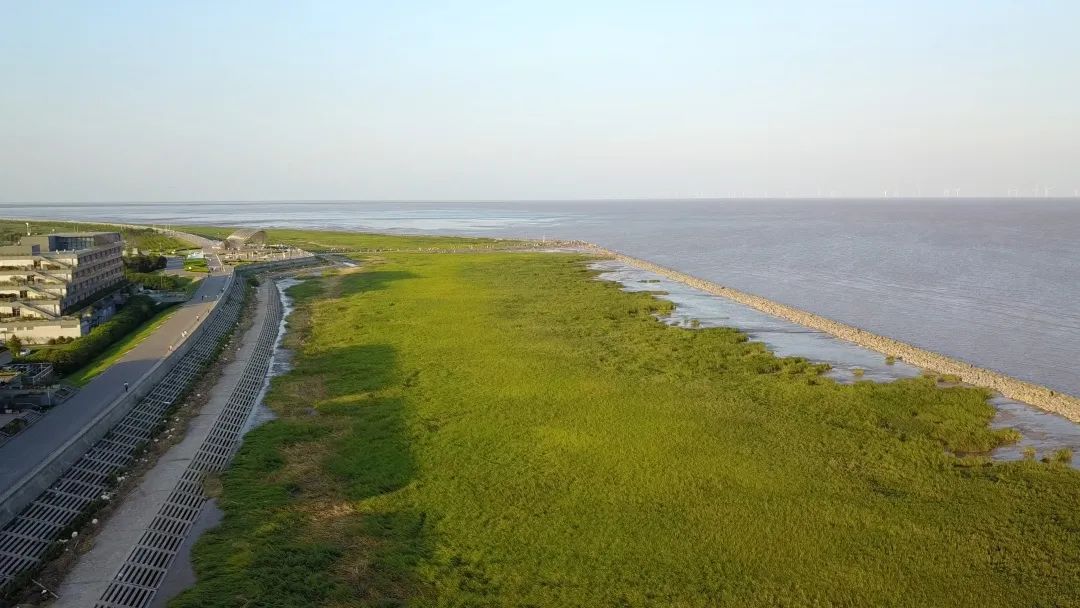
pixel 143 239
pixel 320 241
pixel 502 430
pixel 102 362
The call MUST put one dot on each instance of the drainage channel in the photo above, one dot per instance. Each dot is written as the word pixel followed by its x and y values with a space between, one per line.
pixel 138 579
pixel 26 540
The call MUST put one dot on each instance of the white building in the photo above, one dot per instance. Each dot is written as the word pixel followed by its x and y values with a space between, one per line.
pixel 45 278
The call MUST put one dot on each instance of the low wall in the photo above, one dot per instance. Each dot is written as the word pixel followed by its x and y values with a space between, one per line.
pixel 1034 394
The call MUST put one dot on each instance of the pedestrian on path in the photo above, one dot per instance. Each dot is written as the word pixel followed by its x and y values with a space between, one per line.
pixel 125 387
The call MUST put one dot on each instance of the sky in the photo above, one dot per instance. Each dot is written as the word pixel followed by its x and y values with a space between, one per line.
pixel 147 101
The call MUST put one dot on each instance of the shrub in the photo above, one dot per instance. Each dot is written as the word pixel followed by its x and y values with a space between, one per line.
pixel 1062 456
pixel 1008 436
pixel 77 353
pixel 1029 453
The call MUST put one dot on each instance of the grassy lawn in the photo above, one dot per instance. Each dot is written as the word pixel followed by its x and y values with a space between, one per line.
pixel 312 240
pixel 501 430
pixel 196 265
pixel 144 239
pixel 121 348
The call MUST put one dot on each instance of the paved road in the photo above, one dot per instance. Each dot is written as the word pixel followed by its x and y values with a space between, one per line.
pixel 29 448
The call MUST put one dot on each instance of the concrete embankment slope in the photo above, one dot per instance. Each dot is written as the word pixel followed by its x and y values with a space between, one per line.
pixel 1034 394
pixel 36 457
pixel 56 493
pixel 171 489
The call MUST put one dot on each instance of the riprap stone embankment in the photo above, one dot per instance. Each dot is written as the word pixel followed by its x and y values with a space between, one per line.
pixel 1027 392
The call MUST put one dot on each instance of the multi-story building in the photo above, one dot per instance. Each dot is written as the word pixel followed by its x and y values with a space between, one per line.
pixel 45 278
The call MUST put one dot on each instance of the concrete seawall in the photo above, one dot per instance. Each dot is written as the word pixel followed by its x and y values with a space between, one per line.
pixel 15 498
pixel 1027 392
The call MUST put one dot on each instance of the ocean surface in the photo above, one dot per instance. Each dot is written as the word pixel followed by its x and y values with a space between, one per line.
pixel 992 282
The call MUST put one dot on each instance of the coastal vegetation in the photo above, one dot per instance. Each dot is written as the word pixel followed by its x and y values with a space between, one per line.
pixel 502 429
pixel 196 265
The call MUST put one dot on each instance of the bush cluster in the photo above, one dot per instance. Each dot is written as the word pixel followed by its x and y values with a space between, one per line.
pixel 81 351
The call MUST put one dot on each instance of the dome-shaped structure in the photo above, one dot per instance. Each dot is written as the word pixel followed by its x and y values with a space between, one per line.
pixel 244 237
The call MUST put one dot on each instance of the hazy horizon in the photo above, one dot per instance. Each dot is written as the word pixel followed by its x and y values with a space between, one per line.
pixel 497 201
pixel 552 101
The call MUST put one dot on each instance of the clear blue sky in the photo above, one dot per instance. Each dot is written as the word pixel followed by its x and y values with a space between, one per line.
pixel 511 100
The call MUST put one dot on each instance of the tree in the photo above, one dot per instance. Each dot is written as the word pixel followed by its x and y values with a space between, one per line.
pixel 15 345
pixel 145 263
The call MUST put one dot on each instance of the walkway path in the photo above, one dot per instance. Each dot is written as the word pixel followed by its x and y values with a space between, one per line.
pixel 97 568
